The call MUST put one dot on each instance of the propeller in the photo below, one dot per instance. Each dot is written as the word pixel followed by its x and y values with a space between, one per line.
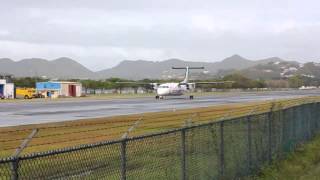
pixel 186 84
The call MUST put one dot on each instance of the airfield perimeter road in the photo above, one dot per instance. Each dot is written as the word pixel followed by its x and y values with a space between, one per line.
pixel 22 113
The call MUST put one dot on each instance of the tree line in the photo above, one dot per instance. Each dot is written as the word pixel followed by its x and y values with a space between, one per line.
pixel 240 81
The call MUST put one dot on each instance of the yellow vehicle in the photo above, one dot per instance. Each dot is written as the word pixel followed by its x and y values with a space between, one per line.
pixel 26 93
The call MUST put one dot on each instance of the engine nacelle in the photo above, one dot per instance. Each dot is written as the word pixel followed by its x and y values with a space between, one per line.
pixel 155 85
pixel 191 86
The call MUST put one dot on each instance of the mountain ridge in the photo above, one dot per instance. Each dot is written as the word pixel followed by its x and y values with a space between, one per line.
pixel 65 67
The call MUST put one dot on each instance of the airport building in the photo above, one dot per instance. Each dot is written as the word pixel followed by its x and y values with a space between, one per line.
pixel 59 89
pixel 6 89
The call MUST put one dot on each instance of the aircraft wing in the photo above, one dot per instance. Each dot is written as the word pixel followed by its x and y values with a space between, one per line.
pixel 129 82
pixel 216 82
pixel 154 85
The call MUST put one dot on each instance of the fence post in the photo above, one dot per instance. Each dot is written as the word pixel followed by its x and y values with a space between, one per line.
pixel 306 121
pixel 310 120
pixel 249 130
pixel 249 144
pixel 313 119
pixel 126 134
pixel 287 134
pixel 124 159
pixel 23 145
pixel 295 128
pixel 183 154
pixel 15 166
pixel 270 119
pixel 221 157
pixel 317 116
pixel 277 133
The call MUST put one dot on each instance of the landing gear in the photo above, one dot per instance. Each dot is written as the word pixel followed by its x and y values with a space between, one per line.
pixel 191 97
pixel 159 97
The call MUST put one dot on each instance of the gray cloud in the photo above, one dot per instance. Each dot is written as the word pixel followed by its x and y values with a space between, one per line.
pixel 99 34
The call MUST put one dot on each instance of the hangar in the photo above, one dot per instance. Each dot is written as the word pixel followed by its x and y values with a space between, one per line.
pixel 55 89
pixel 6 89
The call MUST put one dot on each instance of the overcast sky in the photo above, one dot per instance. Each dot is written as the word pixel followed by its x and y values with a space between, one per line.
pixel 101 33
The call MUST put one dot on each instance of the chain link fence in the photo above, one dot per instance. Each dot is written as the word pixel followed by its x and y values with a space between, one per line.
pixel 227 149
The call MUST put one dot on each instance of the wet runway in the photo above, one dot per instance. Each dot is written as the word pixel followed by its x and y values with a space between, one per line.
pixel 21 113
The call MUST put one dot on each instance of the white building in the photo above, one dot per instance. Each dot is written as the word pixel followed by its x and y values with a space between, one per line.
pixel 6 89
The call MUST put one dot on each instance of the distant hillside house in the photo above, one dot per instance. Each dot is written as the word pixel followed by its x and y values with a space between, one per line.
pixel 54 89
pixel 6 89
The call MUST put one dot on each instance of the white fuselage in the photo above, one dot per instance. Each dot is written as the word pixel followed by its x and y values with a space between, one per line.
pixel 171 89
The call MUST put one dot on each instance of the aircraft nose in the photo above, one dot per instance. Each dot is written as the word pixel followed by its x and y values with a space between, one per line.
pixel 162 91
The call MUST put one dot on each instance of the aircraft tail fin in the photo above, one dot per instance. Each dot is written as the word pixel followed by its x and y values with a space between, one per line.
pixel 186 79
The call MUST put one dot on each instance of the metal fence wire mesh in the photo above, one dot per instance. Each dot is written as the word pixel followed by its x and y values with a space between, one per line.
pixel 227 149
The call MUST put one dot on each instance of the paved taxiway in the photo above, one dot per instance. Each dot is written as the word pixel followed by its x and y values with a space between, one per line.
pixel 21 113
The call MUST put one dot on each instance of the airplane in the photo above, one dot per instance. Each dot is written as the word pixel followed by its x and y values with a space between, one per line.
pixel 178 89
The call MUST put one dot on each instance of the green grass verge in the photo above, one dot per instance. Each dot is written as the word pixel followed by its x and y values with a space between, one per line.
pixel 303 163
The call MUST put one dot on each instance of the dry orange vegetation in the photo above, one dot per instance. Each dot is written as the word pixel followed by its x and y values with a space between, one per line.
pixel 71 133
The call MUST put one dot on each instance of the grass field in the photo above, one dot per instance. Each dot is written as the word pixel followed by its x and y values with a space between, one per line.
pixel 302 164
pixel 71 133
